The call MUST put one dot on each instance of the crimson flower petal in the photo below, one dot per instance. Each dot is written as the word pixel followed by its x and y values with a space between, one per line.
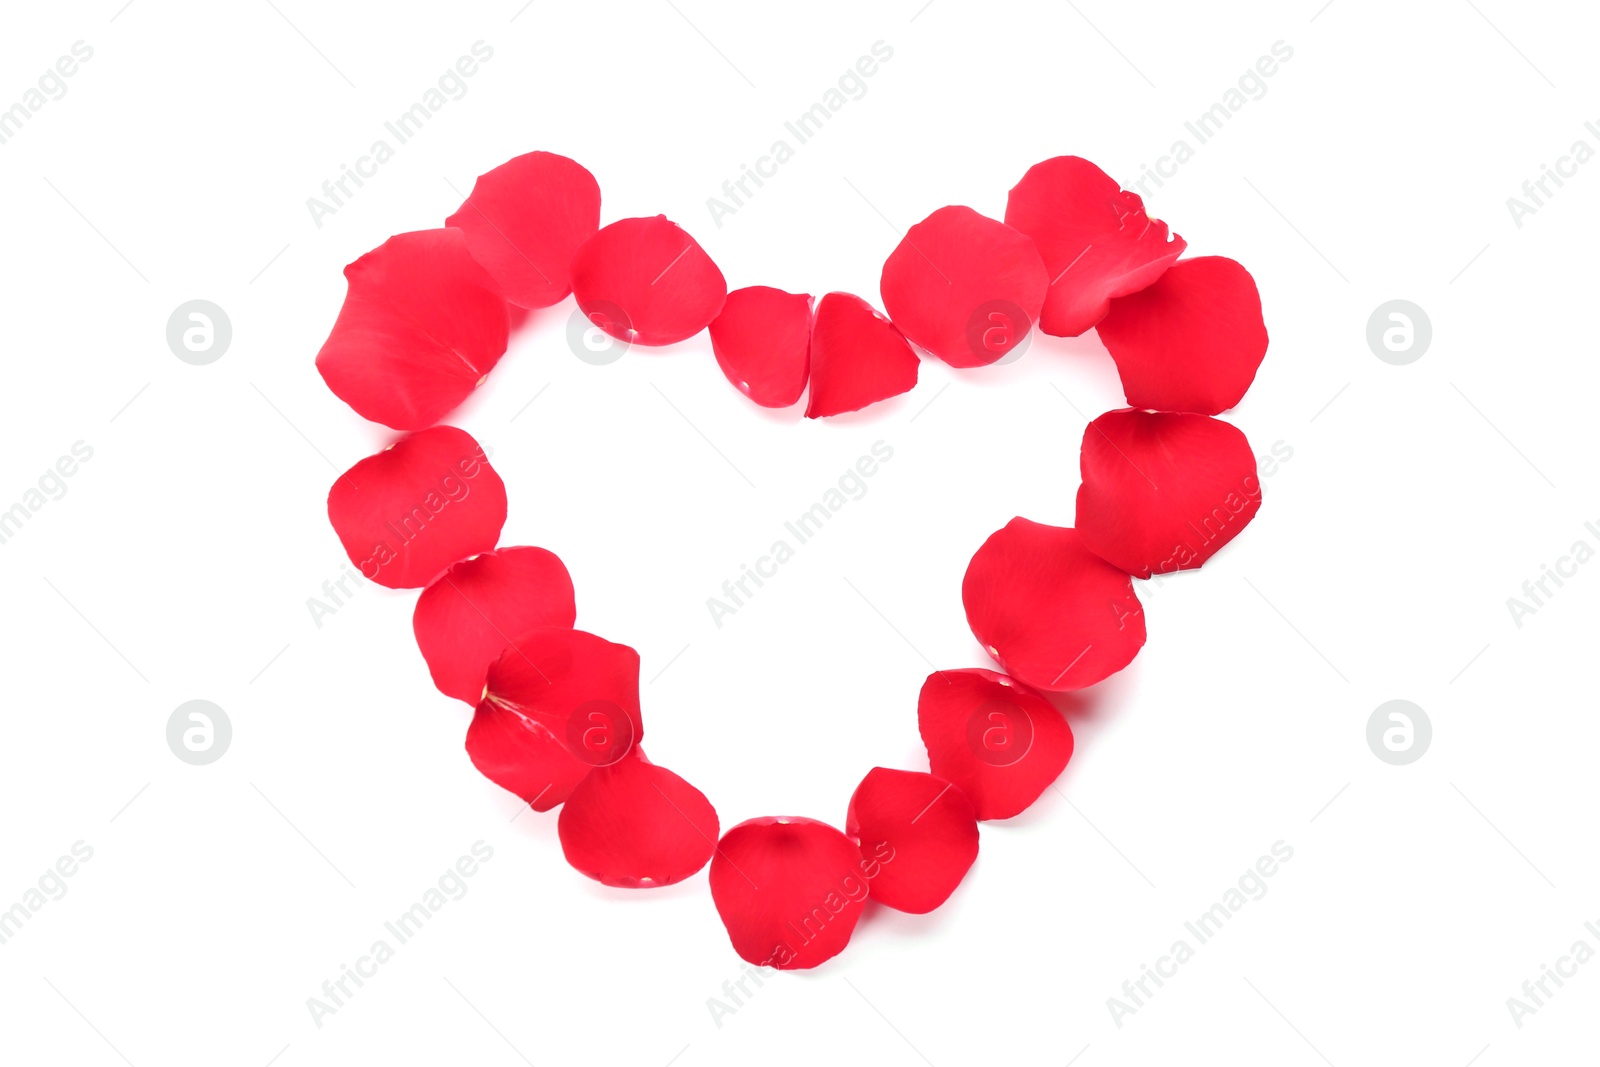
pixel 922 831
pixel 1053 614
pixel 525 219
pixel 1096 240
pixel 522 755
pixel 637 826
pixel 789 890
pixel 558 703
pixel 997 741
pixel 1163 491
pixel 584 688
pixel 422 324
pixel 464 619
pixel 1190 342
pixel 647 281
pixel 963 286
pixel 762 340
pixel 421 504
pixel 858 357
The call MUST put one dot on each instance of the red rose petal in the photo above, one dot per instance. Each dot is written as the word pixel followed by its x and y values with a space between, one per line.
pixel 525 219
pixel 1096 240
pixel 858 357
pixel 559 702
pixel 421 504
pixel 636 826
pixel 920 831
pixel 422 324
pixel 584 688
pixel 463 621
pixel 788 889
pixel 762 340
pixel 648 282
pixel 1053 614
pixel 1162 491
pixel 963 286
pixel 997 741
pixel 523 756
pixel 1190 342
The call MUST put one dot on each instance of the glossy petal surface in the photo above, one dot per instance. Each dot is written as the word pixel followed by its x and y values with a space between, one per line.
pixel 762 341
pixel 1163 491
pixel 407 513
pixel 422 325
pixel 1192 341
pixel 858 357
pixel 637 826
pixel 647 282
pixel 558 703
pixel 993 738
pixel 523 221
pixel 1053 614
pixel 964 287
pixel 462 621
pixel 1096 240
pixel 789 890
pixel 928 827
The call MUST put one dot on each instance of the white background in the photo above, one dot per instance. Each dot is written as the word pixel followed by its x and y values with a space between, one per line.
pixel 1419 498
